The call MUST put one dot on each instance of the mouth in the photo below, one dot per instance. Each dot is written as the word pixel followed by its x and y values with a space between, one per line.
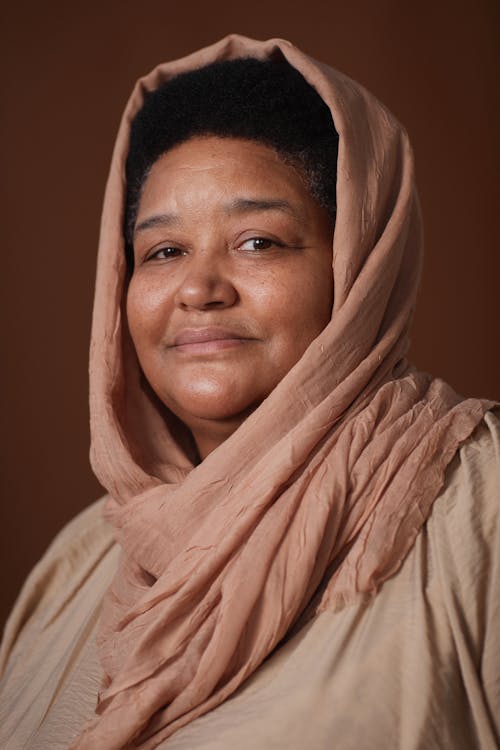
pixel 208 340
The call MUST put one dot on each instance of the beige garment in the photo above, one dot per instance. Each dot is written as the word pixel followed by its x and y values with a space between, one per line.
pixel 337 467
pixel 415 668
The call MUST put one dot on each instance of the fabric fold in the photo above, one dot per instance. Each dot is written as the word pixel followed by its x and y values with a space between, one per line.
pixel 319 495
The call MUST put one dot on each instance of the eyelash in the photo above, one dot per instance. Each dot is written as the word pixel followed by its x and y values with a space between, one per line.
pixel 155 254
pixel 271 243
pixel 268 240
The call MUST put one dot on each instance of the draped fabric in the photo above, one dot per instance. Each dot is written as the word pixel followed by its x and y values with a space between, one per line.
pixel 318 496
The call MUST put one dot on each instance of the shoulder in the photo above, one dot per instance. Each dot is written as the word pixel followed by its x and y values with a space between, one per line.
pixel 69 560
pixel 464 536
pixel 76 546
pixel 469 503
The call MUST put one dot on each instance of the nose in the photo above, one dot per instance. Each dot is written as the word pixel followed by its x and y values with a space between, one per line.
pixel 206 286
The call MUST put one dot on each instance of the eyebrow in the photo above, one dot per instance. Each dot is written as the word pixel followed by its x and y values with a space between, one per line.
pixel 247 205
pixel 239 205
pixel 157 220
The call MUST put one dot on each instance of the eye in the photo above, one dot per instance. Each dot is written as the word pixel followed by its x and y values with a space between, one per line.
pixel 259 243
pixel 165 253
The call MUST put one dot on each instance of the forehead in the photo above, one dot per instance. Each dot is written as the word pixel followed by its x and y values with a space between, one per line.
pixel 206 167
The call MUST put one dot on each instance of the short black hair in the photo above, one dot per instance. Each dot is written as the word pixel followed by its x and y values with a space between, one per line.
pixel 267 101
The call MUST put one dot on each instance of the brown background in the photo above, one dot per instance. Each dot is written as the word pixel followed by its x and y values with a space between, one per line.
pixel 68 69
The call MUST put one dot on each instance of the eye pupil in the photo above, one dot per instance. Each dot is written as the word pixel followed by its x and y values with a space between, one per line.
pixel 260 243
pixel 166 252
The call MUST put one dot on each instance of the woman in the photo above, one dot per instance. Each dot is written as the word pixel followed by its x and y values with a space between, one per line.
pixel 300 534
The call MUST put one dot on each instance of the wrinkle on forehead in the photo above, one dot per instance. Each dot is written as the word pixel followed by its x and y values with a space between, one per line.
pixel 219 169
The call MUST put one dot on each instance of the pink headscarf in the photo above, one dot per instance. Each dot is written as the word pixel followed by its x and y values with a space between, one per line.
pixel 323 489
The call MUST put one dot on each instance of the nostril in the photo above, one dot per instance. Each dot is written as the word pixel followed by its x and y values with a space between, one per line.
pixel 204 292
pixel 210 305
pixel 215 303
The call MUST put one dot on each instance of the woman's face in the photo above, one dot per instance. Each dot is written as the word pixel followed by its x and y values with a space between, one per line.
pixel 232 278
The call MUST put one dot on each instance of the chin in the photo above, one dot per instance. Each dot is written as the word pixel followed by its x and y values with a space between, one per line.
pixel 211 404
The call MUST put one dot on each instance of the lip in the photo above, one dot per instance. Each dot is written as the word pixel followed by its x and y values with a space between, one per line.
pixel 207 340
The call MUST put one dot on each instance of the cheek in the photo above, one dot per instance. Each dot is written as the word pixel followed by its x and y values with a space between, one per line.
pixel 316 297
pixel 296 305
pixel 148 312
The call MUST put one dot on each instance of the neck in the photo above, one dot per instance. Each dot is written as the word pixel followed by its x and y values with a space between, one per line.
pixel 208 434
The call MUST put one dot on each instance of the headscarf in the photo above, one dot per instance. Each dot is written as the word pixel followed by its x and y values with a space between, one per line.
pixel 316 499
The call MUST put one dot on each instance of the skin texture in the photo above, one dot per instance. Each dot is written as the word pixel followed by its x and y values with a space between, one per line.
pixel 230 247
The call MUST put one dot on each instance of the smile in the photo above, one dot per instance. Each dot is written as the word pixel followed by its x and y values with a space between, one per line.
pixel 207 340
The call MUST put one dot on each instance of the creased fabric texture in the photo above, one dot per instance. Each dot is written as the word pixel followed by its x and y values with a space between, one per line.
pixel 416 667
pixel 324 488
